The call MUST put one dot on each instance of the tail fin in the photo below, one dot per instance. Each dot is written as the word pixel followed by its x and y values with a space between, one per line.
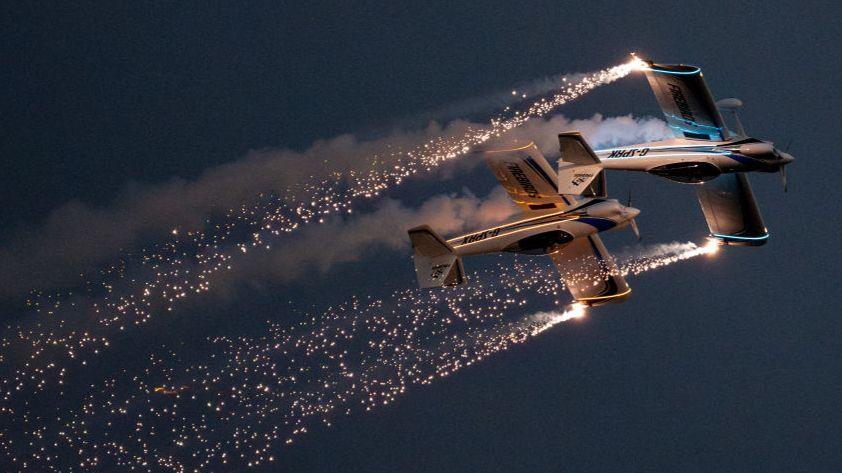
pixel 436 264
pixel 579 170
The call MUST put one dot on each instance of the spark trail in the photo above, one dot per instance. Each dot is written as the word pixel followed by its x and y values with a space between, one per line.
pixel 238 407
pixel 185 266
pixel 139 287
pixel 48 360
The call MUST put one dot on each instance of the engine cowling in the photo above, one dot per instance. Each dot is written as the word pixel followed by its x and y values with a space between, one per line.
pixel 757 149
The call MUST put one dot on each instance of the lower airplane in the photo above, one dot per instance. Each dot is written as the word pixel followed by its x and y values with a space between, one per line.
pixel 564 227
pixel 704 151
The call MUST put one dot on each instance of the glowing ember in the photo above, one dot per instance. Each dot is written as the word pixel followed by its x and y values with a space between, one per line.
pixel 252 395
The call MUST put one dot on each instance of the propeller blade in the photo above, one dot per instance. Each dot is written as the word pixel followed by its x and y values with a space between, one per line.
pixel 636 230
pixel 783 176
pixel 628 202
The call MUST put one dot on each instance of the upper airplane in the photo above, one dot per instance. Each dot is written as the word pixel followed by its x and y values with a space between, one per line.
pixel 564 227
pixel 704 151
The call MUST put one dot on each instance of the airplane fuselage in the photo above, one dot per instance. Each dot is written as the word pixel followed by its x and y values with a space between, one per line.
pixel 547 232
pixel 692 161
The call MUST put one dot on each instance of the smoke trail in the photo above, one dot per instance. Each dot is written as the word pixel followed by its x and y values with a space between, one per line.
pixel 547 320
pixel 383 229
pixel 237 407
pixel 286 214
pixel 501 100
pixel 133 290
pixel 252 392
pixel 80 238
pixel 77 238
pixel 663 254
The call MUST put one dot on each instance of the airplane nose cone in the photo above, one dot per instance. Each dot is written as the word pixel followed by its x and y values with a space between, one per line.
pixel 632 212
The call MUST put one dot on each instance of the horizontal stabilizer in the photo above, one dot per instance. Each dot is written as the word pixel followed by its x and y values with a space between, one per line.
pixel 436 264
pixel 579 170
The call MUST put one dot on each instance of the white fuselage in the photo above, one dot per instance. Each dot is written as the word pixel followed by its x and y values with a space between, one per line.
pixel 694 161
pixel 547 232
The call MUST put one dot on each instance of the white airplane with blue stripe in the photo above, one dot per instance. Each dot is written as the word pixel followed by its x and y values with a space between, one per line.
pixel 564 227
pixel 704 151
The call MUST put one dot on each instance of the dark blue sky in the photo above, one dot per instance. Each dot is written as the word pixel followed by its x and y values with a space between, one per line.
pixel 730 364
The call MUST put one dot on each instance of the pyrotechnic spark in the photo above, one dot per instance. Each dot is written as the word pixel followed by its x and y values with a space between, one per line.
pixel 548 320
pixel 637 64
pixel 253 395
pixel 660 255
pixel 129 293
pixel 712 246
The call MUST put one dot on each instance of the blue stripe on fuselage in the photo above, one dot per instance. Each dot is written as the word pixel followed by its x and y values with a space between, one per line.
pixel 601 224
pixel 742 159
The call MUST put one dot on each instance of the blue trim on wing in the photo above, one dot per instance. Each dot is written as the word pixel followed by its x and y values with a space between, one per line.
pixel 714 128
pixel 679 73
pixel 741 238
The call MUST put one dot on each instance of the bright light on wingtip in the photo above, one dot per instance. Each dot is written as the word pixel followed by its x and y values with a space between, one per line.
pixel 547 320
pixel 712 246
pixel 636 63
pixel 577 310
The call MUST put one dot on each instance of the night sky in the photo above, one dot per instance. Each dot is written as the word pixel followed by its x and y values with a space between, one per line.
pixel 728 363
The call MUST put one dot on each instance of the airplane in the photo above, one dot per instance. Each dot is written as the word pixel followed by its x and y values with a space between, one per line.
pixel 704 151
pixel 564 227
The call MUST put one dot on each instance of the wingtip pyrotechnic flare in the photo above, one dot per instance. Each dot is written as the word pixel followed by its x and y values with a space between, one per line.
pixel 576 310
pixel 305 364
pixel 712 246
pixel 547 320
pixel 636 63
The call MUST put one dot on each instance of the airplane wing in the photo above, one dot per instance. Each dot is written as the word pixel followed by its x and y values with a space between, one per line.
pixel 589 271
pixel 686 101
pixel 527 177
pixel 731 210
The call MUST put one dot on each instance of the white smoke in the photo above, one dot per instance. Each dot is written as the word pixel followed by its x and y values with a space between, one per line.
pixel 382 229
pixel 657 249
pixel 663 254
pixel 386 227
pixel 79 238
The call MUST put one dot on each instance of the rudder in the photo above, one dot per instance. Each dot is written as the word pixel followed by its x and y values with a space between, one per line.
pixel 579 170
pixel 436 264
